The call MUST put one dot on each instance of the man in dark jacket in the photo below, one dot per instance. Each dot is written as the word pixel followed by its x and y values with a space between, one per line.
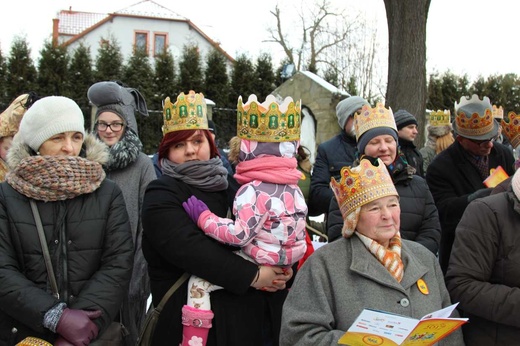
pixel 407 131
pixel 456 176
pixel 334 154
pixel 484 270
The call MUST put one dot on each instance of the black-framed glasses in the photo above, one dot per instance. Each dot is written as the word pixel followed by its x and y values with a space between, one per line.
pixel 116 127
pixel 484 141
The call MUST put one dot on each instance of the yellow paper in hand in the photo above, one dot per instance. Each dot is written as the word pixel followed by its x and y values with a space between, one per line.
pixel 497 175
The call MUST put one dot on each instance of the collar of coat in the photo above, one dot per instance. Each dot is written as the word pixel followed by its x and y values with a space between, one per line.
pixel 366 265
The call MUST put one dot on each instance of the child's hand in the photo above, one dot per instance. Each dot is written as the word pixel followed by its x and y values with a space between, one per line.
pixel 194 207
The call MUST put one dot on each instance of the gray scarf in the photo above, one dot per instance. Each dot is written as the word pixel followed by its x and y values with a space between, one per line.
pixel 208 175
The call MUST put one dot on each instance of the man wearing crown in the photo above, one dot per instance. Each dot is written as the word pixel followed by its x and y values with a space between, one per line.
pixel 456 175
pixel 334 154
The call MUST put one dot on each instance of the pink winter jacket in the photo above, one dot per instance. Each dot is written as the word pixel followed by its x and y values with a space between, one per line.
pixel 269 226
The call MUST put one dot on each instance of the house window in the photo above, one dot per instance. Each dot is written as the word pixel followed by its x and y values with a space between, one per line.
pixel 159 43
pixel 141 41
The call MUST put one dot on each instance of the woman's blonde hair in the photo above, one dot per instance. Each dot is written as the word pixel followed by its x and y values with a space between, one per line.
pixel 234 149
pixel 443 142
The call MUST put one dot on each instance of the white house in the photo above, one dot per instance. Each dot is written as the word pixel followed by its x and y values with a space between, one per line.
pixel 146 25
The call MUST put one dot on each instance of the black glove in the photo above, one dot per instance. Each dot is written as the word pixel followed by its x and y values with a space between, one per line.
pixel 479 194
pixel 77 327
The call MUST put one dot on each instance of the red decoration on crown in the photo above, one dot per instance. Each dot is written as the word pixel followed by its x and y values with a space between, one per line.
pixel 511 129
pixel 477 123
pixel 361 185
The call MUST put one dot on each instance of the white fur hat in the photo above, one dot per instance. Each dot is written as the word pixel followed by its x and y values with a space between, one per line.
pixel 49 116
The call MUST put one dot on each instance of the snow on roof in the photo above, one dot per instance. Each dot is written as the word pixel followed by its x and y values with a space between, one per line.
pixel 74 22
pixel 149 8
pixel 324 83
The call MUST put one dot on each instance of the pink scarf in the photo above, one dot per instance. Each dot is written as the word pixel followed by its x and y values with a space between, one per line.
pixel 269 169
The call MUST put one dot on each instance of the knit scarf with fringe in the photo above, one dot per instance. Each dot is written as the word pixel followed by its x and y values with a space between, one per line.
pixel 389 257
pixel 269 169
pixel 55 178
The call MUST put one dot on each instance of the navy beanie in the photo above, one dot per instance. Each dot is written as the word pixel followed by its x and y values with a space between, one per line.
pixel 404 118
pixel 372 133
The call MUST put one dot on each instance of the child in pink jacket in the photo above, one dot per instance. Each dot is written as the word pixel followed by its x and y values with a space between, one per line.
pixel 269 207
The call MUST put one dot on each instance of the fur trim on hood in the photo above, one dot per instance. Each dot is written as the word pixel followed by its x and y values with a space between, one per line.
pixel 93 149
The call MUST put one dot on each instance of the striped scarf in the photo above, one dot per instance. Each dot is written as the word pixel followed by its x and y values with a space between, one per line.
pixel 389 257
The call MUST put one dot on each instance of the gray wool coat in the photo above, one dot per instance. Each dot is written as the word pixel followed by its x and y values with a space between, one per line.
pixel 342 278
pixel 133 180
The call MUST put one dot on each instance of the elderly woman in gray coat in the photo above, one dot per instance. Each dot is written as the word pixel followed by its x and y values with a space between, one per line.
pixel 370 267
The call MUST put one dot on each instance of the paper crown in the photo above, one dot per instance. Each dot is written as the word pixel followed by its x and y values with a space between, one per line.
pixel 370 118
pixel 474 117
pixel 189 112
pixel 511 129
pixel 440 118
pixel 268 121
pixel 10 118
pixel 498 112
pixel 362 184
pixel 33 341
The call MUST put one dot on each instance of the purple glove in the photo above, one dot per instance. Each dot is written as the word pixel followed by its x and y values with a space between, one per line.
pixel 76 326
pixel 194 207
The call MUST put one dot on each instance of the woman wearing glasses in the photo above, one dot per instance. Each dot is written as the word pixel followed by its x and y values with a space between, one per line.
pixel 132 170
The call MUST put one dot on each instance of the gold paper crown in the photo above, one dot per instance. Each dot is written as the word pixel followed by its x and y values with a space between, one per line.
pixel 511 129
pixel 268 121
pixel 10 118
pixel 370 118
pixel 440 118
pixel 361 185
pixel 187 113
pixel 33 341
pixel 498 112
pixel 477 117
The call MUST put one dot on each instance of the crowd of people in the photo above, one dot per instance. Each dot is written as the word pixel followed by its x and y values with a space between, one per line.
pixel 91 228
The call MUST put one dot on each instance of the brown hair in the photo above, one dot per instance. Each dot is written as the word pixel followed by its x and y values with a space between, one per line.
pixel 175 137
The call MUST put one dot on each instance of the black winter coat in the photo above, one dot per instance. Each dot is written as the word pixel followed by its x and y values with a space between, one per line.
pixel 452 178
pixel 334 154
pixel 413 156
pixel 419 216
pixel 484 270
pixel 173 244
pixel 90 244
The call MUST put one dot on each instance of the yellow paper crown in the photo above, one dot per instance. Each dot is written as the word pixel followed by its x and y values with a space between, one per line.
pixel 478 121
pixel 189 112
pixel 10 118
pixel 370 118
pixel 440 118
pixel 362 184
pixel 511 129
pixel 268 121
pixel 498 112
pixel 32 341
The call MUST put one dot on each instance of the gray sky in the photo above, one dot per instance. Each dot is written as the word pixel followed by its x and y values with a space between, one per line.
pixel 464 36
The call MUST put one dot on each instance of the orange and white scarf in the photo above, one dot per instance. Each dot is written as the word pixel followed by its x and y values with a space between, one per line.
pixel 389 257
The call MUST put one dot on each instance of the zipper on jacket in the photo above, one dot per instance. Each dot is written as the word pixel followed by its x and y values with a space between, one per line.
pixel 64 257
